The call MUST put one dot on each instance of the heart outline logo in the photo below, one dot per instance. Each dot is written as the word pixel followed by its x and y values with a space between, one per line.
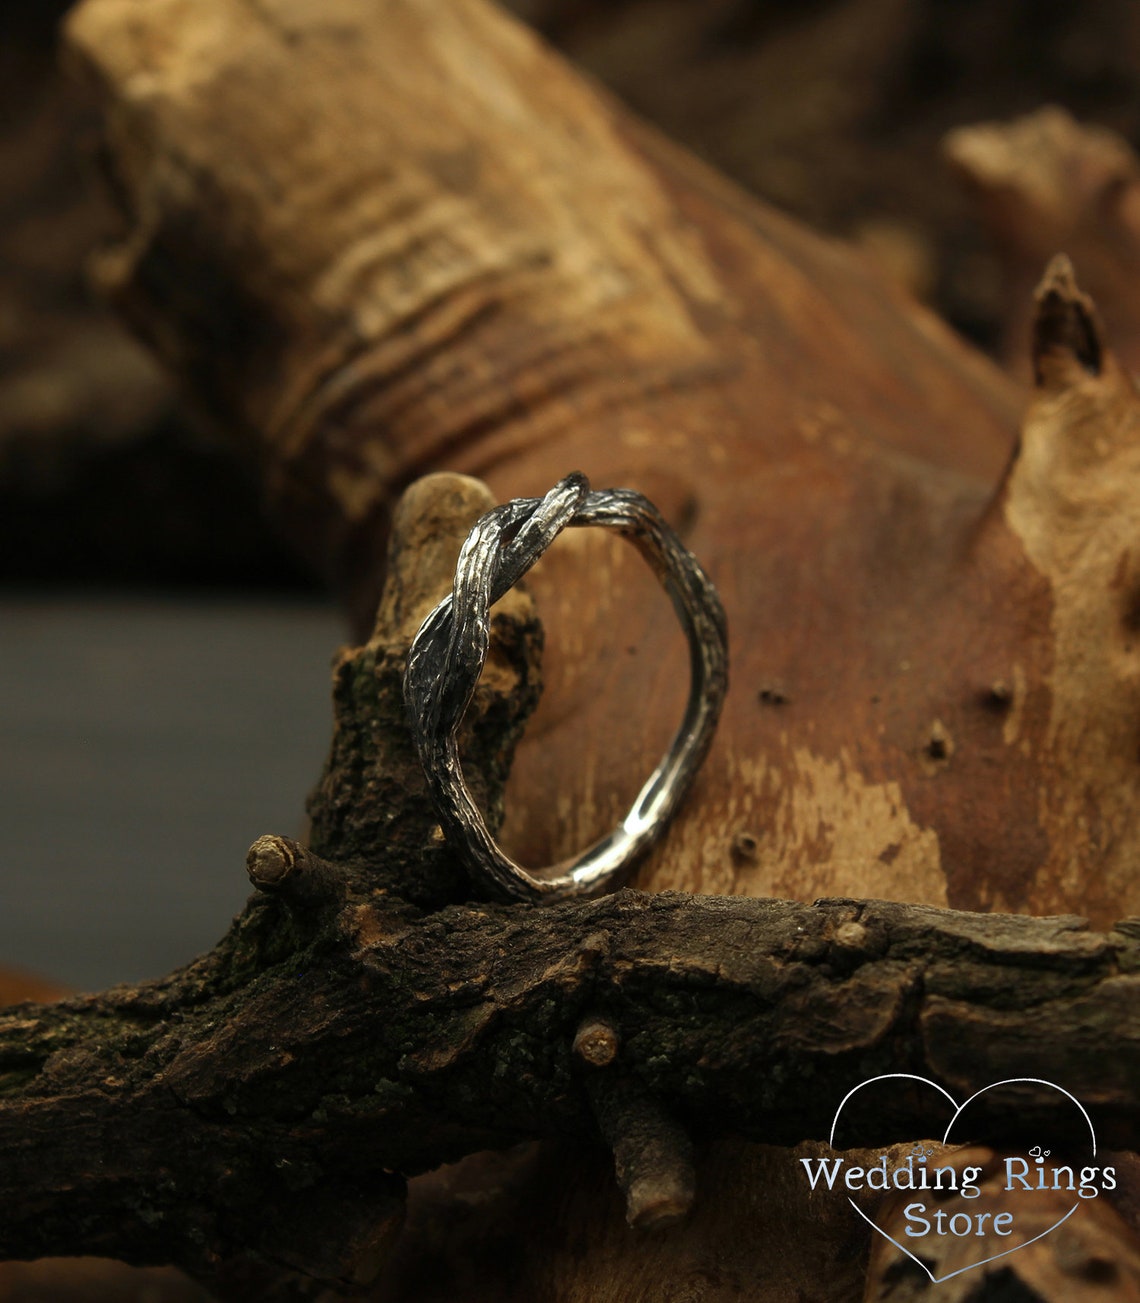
pixel 958 1110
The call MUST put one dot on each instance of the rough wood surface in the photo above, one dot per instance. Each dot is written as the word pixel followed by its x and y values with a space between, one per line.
pixel 372 1041
pixel 337 1036
pixel 443 248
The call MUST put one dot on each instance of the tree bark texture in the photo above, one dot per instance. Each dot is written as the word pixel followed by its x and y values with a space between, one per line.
pixel 172 1122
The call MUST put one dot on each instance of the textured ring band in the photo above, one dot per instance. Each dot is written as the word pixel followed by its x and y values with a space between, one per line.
pixel 449 651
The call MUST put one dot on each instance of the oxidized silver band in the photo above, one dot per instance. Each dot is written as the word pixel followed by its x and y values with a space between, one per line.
pixel 449 651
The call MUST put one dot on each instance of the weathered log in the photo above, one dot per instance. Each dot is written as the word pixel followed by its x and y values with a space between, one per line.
pixel 381 1042
pixel 324 1048
pixel 444 248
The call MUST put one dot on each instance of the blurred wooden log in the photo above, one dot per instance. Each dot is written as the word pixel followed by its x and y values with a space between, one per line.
pixel 445 248
pixel 17 986
pixel 1046 183
pixel 68 373
pixel 1093 1255
pixel 833 110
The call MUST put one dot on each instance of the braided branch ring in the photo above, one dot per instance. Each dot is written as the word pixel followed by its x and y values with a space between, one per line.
pixel 449 651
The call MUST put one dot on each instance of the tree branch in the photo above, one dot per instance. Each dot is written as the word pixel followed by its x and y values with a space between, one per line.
pixel 177 1120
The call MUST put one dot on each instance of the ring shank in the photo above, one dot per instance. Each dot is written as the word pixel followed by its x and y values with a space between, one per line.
pixel 448 653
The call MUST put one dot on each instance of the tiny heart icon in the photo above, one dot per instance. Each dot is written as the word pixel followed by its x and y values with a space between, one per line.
pixel 1021 1174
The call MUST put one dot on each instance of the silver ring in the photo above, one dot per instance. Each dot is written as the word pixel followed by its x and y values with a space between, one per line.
pixel 447 656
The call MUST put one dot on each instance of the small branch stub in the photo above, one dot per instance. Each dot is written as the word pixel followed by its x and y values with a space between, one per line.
pixel 270 862
pixel 653 1155
pixel 597 1042
pixel 1065 326
pixel 279 865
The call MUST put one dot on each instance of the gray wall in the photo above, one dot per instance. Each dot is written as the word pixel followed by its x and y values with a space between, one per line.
pixel 143 746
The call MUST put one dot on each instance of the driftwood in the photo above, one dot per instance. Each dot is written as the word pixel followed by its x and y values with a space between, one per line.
pixel 445 250
pixel 442 249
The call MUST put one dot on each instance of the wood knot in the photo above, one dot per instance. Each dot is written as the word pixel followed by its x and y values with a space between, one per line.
pixel 1066 327
pixel 851 935
pixel 745 848
pixel 938 747
pixel 270 861
pixel 281 866
pixel 597 1042
pixel 998 697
